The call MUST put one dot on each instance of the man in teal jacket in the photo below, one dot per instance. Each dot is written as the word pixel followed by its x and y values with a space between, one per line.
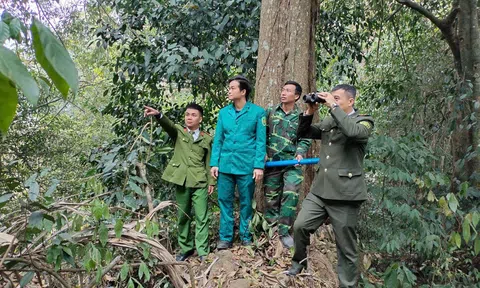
pixel 238 158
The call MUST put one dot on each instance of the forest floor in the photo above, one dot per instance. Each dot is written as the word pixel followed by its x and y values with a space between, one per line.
pixel 241 267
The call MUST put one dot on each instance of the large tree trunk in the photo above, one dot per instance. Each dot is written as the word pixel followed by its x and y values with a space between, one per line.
pixel 286 52
pixel 465 135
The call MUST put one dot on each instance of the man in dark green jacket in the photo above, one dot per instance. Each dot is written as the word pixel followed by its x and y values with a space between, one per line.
pixel 339 187
pixel 189 170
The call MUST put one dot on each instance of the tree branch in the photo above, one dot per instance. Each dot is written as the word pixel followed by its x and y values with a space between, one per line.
pixel 39 267
pixel 422 10
pixel 445 25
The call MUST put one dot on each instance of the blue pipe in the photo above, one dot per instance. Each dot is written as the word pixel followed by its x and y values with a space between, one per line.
pixel 282 163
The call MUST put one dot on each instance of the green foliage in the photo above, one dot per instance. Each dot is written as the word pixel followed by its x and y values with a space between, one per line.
pixel 158 57
pixel 398 275
pixel 413 213
pixel 54 58
pixel 50 54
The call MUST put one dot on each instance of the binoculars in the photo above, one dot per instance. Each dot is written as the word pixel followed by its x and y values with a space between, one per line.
pixel 312 98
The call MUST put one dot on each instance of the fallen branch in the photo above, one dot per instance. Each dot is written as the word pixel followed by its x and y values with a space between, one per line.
pixel 41 268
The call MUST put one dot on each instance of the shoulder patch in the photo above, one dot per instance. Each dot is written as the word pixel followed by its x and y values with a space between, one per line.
pixel 366 124
pixel 264 121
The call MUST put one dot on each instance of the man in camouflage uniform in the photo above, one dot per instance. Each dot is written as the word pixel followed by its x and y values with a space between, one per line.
pixel 283 183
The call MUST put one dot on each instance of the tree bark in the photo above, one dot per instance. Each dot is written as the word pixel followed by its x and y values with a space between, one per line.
pixel 286 52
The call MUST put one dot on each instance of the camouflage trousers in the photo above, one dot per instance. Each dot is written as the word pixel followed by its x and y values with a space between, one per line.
pixel 281 195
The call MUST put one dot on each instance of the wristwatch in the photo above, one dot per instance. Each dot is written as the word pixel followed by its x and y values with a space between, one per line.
pixel 334 105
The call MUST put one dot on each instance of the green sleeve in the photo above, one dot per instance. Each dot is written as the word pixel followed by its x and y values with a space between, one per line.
pixel 168 126
pixel 351 127
pixel 217 142
pixel 302 146
pixel 307 130
pixel 210 179
pixel 261 141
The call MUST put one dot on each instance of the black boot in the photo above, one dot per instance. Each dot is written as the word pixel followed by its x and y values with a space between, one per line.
pixel 295 269
pixel 184 256
pixel 222 245
pixel 287 241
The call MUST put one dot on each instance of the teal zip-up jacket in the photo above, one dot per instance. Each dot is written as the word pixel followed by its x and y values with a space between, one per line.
pixel 239 144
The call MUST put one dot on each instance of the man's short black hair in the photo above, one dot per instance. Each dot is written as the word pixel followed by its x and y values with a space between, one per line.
pixel 347 88
pixel 195 106
pixel 244 84
pixel 298 88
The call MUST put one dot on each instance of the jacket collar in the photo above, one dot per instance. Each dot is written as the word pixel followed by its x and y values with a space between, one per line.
pixel 295 109
pixel 244 110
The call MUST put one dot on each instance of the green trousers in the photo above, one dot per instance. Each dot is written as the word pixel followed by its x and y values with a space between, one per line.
pixel 343 216
pixel 198 198
pixel 281 196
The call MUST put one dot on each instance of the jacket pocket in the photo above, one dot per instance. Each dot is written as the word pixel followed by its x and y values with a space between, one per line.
pixel 350 173
pixel 349 180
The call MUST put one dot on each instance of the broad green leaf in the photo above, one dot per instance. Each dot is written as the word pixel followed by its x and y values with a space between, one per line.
pixel 475 218
pixel 26 278
pixel 13 69
pixel 130 283
pixel 77 223
pixel 463 188
pixel 53 253
pixel 15 29
pixel 118 228
pixel 103 234
pixel 431 196
pixel 4 32
pixel 136 188
pixel 35 219
pixel 130 201
pixel 124 271
pixel 143 271
pixel 476 247
pixel 195 51
pixel 33 191
pixel 8 103
pixel 67 237
pixel 444 205
pixel 466 230
pixel 30 180
pixel 54 58
pixel 5 197
pixel 138 179
pixel 97 210
pixel 6 16
pixel 458 240
pixel 52 187
pixel 452 202
pixel 98 276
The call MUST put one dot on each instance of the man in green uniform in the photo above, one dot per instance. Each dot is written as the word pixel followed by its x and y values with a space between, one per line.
pixel 238 158
pixel 339 187
pixel 189 170
pixel 283 183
